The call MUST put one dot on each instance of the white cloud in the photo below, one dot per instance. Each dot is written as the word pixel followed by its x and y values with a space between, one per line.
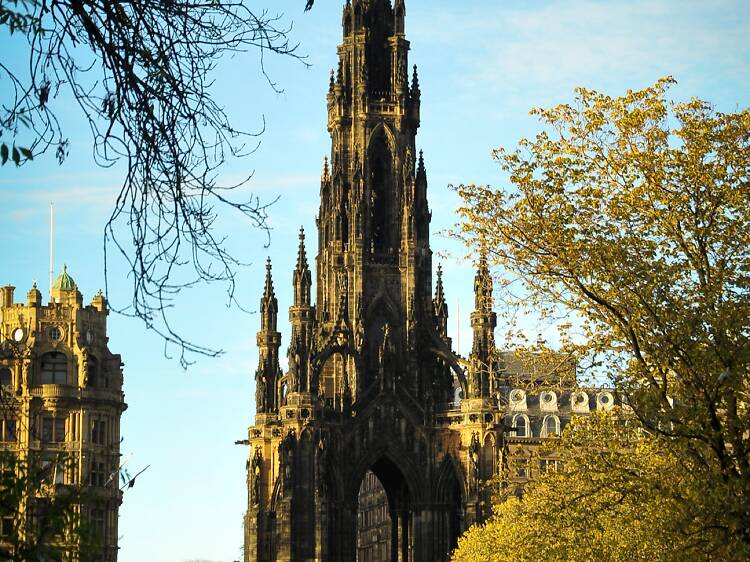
pixel 31 204
pixel 534 52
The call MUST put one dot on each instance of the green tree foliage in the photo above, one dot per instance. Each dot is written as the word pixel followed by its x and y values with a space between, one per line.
pixel 632 215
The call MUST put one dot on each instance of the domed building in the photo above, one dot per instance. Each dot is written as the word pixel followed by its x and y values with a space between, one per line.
pixel 61 400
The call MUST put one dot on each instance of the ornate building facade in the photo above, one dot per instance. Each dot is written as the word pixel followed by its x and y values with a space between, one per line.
pixel 60 406
pixel 375 443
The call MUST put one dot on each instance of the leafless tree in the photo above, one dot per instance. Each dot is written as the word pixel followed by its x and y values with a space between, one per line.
pixel 141 73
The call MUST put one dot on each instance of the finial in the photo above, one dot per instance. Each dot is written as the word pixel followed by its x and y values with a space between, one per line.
pixel 440 307
pixel 301 253
pixel 33 285
pixel 332 82
pixel 415 82
pixel 420 163
pixel 340 74
pixel 483 281
pixel 268 291
pixel 326 170
pixel 439 285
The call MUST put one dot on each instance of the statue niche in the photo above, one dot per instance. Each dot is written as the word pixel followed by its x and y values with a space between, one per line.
pixel 381 197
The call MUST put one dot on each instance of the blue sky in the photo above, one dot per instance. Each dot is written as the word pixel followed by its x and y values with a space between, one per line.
pixel 482 65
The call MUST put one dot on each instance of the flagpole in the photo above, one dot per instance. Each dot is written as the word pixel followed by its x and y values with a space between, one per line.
pixel 51 244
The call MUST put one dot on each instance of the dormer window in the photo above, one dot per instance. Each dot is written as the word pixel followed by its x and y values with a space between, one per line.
pixel 551 426
pixel 521 426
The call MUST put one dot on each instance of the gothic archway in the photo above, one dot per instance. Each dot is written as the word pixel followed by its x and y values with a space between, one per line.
pixel 384 514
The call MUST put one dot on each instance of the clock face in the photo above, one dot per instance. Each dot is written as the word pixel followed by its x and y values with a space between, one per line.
pixel 18 334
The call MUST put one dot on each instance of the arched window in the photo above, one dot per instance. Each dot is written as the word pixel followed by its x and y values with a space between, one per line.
pixel 521 425
pixel 6 378
pixel 54 368
pixel 380 195
pixel 551 426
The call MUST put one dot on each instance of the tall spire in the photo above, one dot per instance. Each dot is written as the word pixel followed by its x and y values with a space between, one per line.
pixel 483 285
pixel 269 306
pixel 372 211
pixel 416 93
pixel 420 166
pixel 302 277
pixel 483 323
pixel 326 174
pixel 440 306
pixel 301 317
pixel 268 340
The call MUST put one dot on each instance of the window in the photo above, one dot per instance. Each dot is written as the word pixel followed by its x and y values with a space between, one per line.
pixel 52 471
pixel 98 430
pixel 98 474
pixel 521 425
pixel 53 429
pixel 96 377
pixel 59 436
pixel 8 430
pixel 47 429
pixel 98 519
pixel 549 465
pixel 7 526
pixel 6 379
pixel 54 368
pixel 93 374
pixel 522 468
pixel 551 426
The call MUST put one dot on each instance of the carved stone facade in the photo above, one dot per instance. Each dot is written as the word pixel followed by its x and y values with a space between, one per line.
pixel 373 386
pixel 60 402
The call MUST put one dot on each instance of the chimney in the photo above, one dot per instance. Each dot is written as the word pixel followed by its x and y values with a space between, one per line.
pixel 6 296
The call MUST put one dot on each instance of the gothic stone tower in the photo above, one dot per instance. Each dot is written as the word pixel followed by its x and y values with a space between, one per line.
pixel 371 379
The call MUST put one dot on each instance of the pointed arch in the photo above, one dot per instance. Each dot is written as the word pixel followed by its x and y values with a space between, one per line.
pixel 450 491
pixel 383 198
pixel 275 494
pixel 382 303
pixel 449 471
pixel 383 129
pixel 381 460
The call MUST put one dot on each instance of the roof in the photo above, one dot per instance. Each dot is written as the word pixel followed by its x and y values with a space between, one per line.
pixel 64 281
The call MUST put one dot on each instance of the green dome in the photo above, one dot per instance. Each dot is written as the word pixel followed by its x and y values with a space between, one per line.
pixel 64 281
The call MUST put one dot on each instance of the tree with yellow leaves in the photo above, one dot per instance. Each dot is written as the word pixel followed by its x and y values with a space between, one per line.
pixel 623 495
pixel 632 215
